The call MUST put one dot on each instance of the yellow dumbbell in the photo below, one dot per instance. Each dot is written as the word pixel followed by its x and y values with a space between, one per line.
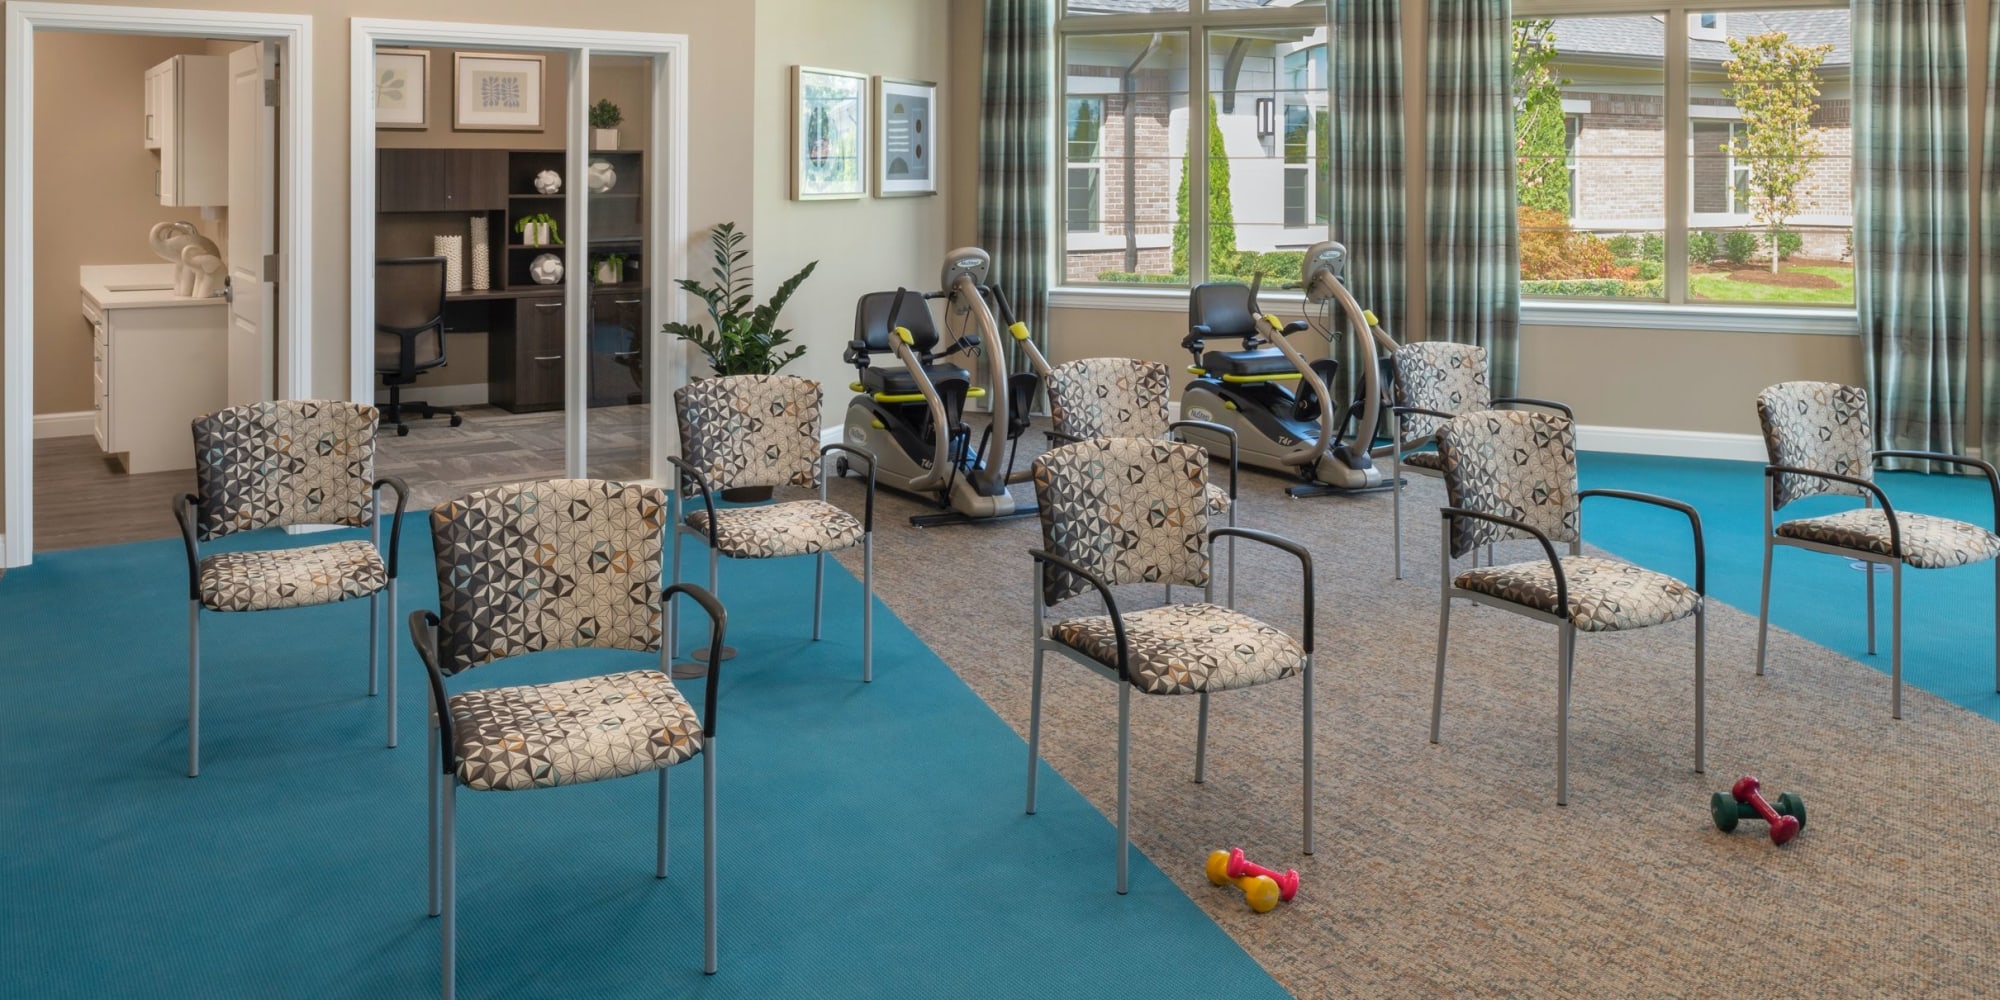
pixel 1258 891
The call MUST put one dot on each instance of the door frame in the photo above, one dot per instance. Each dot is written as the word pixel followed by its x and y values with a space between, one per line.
pixel 293 33
pixel 667 229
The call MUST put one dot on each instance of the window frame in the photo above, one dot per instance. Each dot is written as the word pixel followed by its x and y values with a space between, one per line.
pixel 1093 163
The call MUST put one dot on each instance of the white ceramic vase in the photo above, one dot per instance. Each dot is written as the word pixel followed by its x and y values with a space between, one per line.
pixel 452 249
pixel 481 259
pixel 604 138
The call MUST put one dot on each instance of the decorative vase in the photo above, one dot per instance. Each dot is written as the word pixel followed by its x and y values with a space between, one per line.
pixel 604 138
pixel 481 263
pixel 602 177
pixel 452 249
pixel 610 272
pixel 548 182
pixel 546 269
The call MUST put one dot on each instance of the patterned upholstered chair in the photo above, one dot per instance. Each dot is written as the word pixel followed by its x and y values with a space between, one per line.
pixel 1435 381
pixel 560 564
pixel 291 462
pixel 1511 474
pixel 1818 437
pixel 1134 510
pixel 763 430
pixel 1126 397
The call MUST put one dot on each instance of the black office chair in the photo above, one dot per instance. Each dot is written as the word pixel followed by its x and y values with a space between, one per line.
pixel 409 332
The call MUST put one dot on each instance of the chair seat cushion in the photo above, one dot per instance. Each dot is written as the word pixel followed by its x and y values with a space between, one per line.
pixel 1928 542
pixel 1266 361
pixel 899 381
pixel 797 527
pixel 1605 595
pixel 1188 648
pixel 291 578
pixel 570 732
pixel 1426 460
pixel 1218 499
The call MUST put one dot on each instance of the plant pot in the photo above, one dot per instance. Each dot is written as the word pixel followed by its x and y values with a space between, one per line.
pixel 609 273
pixel 747 494
pixel 604 138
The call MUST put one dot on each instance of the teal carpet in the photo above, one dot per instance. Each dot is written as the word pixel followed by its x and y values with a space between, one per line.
pixel 872 839
pixel 1947 613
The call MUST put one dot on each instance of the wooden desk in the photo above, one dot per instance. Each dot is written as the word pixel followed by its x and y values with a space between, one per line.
pixel 525 344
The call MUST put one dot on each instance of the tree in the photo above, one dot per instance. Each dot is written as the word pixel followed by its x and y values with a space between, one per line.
pixel 1222 256
pixel 1541 174
pixel 1773 83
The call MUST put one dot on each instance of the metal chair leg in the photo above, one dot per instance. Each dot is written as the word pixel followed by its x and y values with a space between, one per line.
pixel 1124 783
pixel 672 638
pixel 1895 637
pixel 708 854
pixel 1201 740
pixel 1764 607
pixel 1396 491
pixel 389 634
pixel 1230 591
pixel 374 639
pixel 1034 727
pixel 1869 567
pixel 1308 671
pixel 660 863
pixel 1701 686
pixel 867 608
pixel 436 777
pixel 194 688
pixel 1565 660
pixel 819 590
pixel 1444 631
pixel 448 888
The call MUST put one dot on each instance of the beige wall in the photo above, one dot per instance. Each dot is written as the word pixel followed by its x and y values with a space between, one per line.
pixel 863 245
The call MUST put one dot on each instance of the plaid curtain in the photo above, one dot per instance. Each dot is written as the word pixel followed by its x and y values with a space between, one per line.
pixel 1989 289
pixel 1474 282
pixel 1912 222
pixel 1366 154
pixel 1014 161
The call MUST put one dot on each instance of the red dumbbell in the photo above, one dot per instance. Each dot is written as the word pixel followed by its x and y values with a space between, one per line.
pixel 1242 867
pixel 1783 828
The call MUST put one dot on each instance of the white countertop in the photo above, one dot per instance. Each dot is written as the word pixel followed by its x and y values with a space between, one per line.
pixel 131 286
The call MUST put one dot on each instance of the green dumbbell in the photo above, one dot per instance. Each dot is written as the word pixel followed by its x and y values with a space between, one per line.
pixel 1727 812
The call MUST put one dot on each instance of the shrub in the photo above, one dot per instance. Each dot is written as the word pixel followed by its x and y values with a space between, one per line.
pixel 1701 247
pixel 1603 288
pixel 1789 243
pixel 1130 278
pixel 1651 270
pixel 1654 248
pixel 1624 245
pixel 1550 251
pixel 1739 246
pixel 1281 268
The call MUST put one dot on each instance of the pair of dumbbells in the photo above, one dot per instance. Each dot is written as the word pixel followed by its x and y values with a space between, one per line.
pixel 1262 887
pixel 1745 800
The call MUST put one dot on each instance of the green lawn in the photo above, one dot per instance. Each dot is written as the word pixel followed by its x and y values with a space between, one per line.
pixel 1719 288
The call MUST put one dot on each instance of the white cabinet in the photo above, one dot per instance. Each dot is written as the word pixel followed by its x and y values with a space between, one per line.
pixel 187 121
pixel 157 362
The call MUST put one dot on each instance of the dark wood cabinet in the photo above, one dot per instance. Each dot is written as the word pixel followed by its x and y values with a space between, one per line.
pixel 525 364
pixel 440 180
pixel 618 348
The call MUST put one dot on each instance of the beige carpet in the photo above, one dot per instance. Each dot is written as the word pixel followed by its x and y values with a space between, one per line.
pixel 1449 869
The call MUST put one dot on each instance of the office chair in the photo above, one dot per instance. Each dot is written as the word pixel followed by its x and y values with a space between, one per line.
pixel 409 331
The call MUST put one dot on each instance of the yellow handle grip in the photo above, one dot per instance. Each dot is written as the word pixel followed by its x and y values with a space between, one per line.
pixel 1369 316
pixel 903 334
pixel 1019 330
pixel 1276 323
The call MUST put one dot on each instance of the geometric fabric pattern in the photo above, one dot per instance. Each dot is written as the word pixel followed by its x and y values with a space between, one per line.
pixel 1130 510
pixel 1442 376
pixel 796 527
pixel 290 578
pixel 1822 426
pixel 1605 595
pixel 1927 542
pixel 1116 397
pixel 1430 460
pixel 570 732
pixel 547 565
pixel 751 430
pixel 1187 648
pixel 1515 464
pixel 291 461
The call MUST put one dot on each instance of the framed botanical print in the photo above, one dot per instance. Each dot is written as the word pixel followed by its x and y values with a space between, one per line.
pixel 496 92
pixel 402 88
pixel 905 137
pixel 829 134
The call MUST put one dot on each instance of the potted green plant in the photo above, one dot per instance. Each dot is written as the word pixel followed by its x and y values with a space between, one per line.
pixel 604 120
pixel 538 230
pixel 608 269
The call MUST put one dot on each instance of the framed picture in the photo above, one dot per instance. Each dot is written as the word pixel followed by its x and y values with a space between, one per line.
pixel 496 92
pixel 829 134
pixel 402 88
pixel 905 138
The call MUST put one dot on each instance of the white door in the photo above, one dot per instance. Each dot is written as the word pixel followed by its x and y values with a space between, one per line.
pixel 253 158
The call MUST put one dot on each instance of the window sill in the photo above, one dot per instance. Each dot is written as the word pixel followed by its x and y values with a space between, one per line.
pixel 1158 298
pixel 1713 319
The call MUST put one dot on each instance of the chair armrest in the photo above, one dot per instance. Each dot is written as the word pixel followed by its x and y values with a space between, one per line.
pixel 395 526
pixel 1399 412
pixel 423 634
pixel 1056 436
pixel 1295 326
pixel 718 620
pixel 1992 477
pixel 1110 604
pixel 688 472
pixel 868 510
pixel 1547 404
pixel 1895 534
pixel 1548 548
pixel 184 504
pixel 1228 433
pixel 1281 542
pixel 1694 524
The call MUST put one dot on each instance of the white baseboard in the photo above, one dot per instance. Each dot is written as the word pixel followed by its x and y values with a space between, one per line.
pixel 469 394
pixel 1671 443
pixel 62 425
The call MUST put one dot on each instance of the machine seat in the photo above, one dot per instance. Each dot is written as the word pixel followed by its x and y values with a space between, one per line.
pixel 1267 361
pixel 899 381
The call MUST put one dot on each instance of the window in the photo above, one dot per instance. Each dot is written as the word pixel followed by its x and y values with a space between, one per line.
pixel 1164 100
pixel 1764 169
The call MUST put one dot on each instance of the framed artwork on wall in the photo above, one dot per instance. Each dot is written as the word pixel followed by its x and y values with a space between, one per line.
pixel 496 92
pixel 905 137
pixel 402 88
pixel 829 134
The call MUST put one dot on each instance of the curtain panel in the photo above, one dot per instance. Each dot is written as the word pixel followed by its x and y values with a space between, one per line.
pixel 1366 154
pixel 1989 288
pixel 1014 157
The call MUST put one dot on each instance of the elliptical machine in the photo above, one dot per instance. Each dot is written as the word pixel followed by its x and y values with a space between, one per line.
pixel 912 418
pixel 1280 404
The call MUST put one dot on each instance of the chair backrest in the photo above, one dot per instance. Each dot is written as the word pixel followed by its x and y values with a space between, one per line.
pixel 550 565
pixel 409 305
pixel 1517 464
pixel 293 461
pixel 1131 510
pixel 1822 426
pixel 751 430
pixel 1109 397
pixel 1439 375
pixel 1223 307
pixel 871 321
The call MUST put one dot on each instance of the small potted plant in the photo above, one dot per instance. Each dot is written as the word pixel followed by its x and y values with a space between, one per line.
pixel 538 230
pixel 609 269
pixel 604 120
